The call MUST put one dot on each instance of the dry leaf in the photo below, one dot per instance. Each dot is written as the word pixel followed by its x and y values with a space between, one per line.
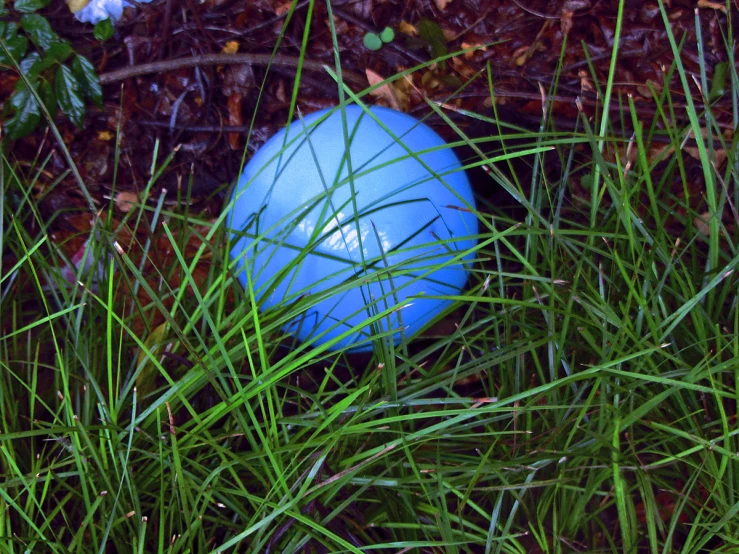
pixel 659 152
pixel 105 135
pixel 702 224
pixel 449 34
pixel 125 201
pixel 282 8
pixel 565 21
pixel 386 92
pixel 231 47
pixel 465 70
pixel 407 29
pixel 441 4
pixel 77 5
pixel 719 154
pixel 471 53
pixel 712 5
pixel 234 118
pixel 585 84
pixel 521 55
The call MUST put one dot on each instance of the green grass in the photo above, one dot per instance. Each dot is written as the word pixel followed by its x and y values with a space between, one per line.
pixel 585 399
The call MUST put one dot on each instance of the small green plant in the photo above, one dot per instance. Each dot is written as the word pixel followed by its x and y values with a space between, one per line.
pixel 374 41
pixel 431 33
pixel 56 74
pixel 103 30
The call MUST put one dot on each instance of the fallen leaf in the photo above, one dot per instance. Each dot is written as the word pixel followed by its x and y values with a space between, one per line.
pixel 234 118
pixel 282 8
pixel 105 135
pixel 521 55
pixel 659 152
pixel 585 84
pixel 565 21
pixel 719 154
pixel 712 5
pixel 231 47
pixel 125 201
pixel 77 5
pixel 465 70
pixel 407 29
pixel 471 53
pixel 386 92
pixel 449 34
pixel 441 4
pixel 702 224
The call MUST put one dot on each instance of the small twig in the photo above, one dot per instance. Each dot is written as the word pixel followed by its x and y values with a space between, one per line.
pixel 537 14
pixel 225 59
pixel 195 128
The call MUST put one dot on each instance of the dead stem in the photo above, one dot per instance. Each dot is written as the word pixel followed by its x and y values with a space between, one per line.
pixel 217 59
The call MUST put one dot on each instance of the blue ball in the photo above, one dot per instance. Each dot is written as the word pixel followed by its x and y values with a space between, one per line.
pixel 377 251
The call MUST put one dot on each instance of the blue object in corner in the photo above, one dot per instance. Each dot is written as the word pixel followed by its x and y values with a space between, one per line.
pixel 383 244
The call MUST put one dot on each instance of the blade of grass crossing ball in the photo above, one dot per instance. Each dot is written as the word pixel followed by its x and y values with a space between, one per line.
pixel 391 380
pixel 335 212
pixel 261 89
pixel 347 142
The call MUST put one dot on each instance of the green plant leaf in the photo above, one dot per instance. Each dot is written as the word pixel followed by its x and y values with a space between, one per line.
pixel 30 6
pixel 3 10
pixel 34 65
pixel 8 30
pixel 39 31
pixel 27 114
pixel 16 45
pixel 59 51
pixel 431 32
pixel 68 95
pixel 48 96
pixel 88 79
pixel 718 83
pixel 387 35
pixel 103 30
pixel 372 41
pixel 30 65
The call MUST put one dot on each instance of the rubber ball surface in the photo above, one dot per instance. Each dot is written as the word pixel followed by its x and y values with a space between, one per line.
pixel 359 223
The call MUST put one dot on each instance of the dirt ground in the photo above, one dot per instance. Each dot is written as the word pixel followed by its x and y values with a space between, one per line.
pixel 211 95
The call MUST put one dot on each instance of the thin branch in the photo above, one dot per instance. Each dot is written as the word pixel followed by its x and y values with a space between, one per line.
pixel 225 59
